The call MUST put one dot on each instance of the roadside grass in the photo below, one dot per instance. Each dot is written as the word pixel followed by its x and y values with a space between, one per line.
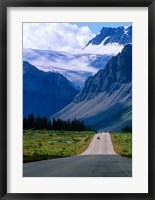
pixel 45 144
pixel 122 143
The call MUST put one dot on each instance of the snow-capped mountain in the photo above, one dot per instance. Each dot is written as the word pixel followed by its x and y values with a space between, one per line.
pixel 110 40
pixel 121 35
pixel 77 67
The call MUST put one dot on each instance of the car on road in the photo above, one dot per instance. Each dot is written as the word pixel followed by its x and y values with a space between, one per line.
pixel 98 138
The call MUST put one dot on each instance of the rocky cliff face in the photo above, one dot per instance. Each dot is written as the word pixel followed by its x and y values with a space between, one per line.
pixel 117 72
pixel 105 103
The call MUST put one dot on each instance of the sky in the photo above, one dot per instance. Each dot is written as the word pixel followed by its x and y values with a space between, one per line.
pixel 96 27
pixel 67 37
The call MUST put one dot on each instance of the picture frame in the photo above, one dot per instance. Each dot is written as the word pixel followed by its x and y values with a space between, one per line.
pixel 4 109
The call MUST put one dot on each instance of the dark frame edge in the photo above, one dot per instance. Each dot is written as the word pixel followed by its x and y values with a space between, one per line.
pixel 151 106
pixel 77 3
pixel 76 196
pixel 3 101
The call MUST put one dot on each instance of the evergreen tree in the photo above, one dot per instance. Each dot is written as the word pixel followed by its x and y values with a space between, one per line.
pixel 40 123
pixel 31 121
pixel 127 129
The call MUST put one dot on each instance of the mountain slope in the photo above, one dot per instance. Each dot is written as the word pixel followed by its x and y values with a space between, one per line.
pixel 110 40
pixel 105 103
pixel 117 71
pixel 45 93
pixel 121 35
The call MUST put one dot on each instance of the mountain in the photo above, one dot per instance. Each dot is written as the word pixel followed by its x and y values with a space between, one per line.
pixel 121 35
pixel 45 93
pixel 75 67
pixel 105 103
pixel 110 40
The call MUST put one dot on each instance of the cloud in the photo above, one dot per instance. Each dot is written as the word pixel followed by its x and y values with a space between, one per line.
pixel 55 36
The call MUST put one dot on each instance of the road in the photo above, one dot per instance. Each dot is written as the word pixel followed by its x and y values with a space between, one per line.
pixel 99 160
pixel 102 146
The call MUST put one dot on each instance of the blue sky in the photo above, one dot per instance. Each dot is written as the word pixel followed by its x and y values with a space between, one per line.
pixel 96 27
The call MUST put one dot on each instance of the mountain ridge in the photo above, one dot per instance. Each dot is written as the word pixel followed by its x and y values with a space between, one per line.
pixel 44 92
pixel 121 35
pixel 105 103
pixel 110 40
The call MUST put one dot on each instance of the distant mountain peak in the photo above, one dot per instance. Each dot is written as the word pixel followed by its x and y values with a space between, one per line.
pixel 110 40
pixel 121 35
pixel 27 67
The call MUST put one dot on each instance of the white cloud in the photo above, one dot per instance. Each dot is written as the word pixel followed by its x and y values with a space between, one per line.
pixel 55 36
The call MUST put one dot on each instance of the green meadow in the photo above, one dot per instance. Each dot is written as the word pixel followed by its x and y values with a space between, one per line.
pixel 122 143
pixel 48 144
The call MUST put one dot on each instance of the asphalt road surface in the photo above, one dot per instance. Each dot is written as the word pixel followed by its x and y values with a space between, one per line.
pixel 101 146
pixel 99 160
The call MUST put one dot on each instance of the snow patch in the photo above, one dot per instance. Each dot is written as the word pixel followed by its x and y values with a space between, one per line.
pixel 125 30
pixel 125 27
pixel 105 40
pixel 109 49
pixel 75 67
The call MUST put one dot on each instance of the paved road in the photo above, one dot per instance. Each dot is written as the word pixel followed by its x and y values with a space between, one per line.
pixel 99 160
pixel 102 146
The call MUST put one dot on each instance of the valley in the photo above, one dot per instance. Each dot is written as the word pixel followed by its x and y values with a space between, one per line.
pixel 93 86
pixel 105 101
pixel 77 100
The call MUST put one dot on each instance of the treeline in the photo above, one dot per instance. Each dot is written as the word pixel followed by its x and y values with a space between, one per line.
pixel 40 123
pixel 127 129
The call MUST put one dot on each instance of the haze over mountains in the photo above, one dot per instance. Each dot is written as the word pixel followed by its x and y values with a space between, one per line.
pixel 94 84
pixel 75 67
